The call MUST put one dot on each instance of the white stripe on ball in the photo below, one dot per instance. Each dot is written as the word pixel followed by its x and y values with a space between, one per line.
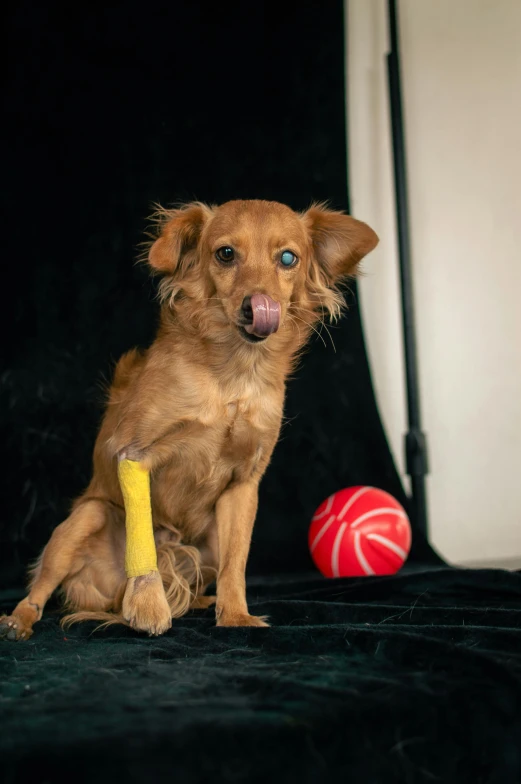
pixel 351 501
pixel 336 550
pixel 374 512
pixel 389 544
pixel 321 533
pixel 362 560
pixel 326 511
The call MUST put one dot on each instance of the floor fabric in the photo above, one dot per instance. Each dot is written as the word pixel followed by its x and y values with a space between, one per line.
pixel 411 678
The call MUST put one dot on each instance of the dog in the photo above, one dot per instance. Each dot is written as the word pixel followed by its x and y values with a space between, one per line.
pixel 242 287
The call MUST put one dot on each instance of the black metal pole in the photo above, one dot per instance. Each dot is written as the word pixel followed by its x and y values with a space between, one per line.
pixel 415 440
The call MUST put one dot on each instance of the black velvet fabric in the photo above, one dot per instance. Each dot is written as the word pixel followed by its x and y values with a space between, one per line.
pixel 412 678
pixel 108 112
pixel 408 679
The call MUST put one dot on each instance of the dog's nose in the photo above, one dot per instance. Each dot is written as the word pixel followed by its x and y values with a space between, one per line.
pixel 247 310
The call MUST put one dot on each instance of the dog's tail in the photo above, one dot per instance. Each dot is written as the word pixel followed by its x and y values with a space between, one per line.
pixel 183 579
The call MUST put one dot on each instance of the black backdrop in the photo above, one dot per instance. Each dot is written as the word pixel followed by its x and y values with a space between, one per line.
pixel 108 111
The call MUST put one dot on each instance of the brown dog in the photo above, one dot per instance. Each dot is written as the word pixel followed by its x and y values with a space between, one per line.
pixel 243 285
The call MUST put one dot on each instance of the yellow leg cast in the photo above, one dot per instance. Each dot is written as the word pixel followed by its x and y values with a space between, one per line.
pixel 140 553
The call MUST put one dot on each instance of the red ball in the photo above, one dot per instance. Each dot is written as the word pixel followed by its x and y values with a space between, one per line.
pixel 359 531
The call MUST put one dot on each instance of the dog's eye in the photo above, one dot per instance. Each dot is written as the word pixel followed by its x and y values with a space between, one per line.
pixel 288 258
pixel 226 255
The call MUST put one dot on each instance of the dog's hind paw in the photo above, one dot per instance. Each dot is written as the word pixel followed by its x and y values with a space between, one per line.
pixel 202 602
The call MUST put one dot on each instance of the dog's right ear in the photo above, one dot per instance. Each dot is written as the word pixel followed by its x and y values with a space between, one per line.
pixel 174 252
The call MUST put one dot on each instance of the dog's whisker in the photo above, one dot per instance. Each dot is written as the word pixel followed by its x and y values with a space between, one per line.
pixel 310 326
pixel 324 326
pixel 314 316
pixel 292 318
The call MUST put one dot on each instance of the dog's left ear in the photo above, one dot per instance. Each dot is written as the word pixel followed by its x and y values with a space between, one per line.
pixel 340 242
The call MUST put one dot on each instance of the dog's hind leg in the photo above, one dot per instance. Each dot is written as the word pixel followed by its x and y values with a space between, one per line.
pixel 60 558
pixel 209 550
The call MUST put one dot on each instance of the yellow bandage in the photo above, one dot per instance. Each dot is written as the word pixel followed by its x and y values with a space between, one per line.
pixel 140 553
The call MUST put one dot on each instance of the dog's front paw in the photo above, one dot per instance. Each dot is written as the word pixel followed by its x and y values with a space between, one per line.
pixel 240 619
pixel 145 605
pixel 13 628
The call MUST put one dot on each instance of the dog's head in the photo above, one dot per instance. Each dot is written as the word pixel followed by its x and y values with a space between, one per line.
pixel 251 266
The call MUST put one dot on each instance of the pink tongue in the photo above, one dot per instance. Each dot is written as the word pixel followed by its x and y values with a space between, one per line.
pixel 266 316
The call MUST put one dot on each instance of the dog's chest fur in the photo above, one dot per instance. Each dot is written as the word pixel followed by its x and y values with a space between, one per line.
pixel 231 441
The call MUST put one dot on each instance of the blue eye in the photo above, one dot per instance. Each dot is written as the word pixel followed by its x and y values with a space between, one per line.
pixel 288 258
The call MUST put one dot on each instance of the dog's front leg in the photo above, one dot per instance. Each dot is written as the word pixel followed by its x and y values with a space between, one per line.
pixel 235 513
pixel 145 605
